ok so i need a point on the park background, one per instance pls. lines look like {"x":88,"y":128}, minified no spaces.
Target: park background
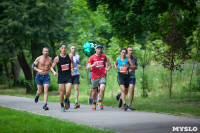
{"x":165,"y":36}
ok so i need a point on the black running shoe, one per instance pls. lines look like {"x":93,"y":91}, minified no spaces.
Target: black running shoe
{"x":125,"y":108}
{"x":118,"y":95}
{"x":36,"y":98}
{"x":45,"y":107}
{"x":120,"y":103}
{"x":129,"y":108}
{"x":67,"y":104}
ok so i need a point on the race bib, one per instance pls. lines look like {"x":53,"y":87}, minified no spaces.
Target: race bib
{"x":100,"y":64}
{"x":65,"y":67}
{"x":123,"y":69}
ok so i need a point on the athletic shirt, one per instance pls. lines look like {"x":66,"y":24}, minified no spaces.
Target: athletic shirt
{"x":98,"y":71}
{"x":134,"y":61}
{"x":121,"y":67}
{"x":76,"y":61}
{"x":64,"y":65}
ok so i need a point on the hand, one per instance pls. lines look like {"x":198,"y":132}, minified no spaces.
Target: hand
{"x":130,"y":70}
{"x":54,"y":73}
{"x":124,"y":64}
{"x":40,"y":71}
{"x":79,"y":66}
{"x":106,"y":70}
{"x":72,"y":70}
{"x":95,"y":63}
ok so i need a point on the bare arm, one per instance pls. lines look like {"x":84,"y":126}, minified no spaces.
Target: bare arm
{"x":132,"y":67}
{"x":36,"y":62}
{"x":89,"y":66}
{"x":72,"y":63}
{"x":116,"y":64}
{"x":55,"y":61}
{"x":108,"y":64}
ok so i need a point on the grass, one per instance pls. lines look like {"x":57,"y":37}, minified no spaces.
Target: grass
{"x":14,"y":121}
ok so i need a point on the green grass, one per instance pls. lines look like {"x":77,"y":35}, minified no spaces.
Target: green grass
{"x":14,"y":121}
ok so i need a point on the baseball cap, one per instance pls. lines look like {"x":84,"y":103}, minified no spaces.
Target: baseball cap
{"x":62,"y":45}
{"x":98,"y":46}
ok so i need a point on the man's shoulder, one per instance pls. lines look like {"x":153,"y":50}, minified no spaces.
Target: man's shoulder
{"x":133,"y":57}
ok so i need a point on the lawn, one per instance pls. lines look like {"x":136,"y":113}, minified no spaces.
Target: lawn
{"x":15,"y":121}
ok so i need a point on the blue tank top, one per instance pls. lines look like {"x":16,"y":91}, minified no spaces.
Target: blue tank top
{"x":121,"y":67}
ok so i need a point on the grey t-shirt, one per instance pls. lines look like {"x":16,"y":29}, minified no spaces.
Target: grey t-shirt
{"x":134,"y":60}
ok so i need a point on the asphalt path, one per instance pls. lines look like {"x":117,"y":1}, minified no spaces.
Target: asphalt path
{"x":109,"y":118}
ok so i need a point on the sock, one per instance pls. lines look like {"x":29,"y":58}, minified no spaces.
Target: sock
{"x":124,"y":105}
{"x":62,"y":105}
{"x":99,"y":100}
{"x":94,"y":102}
{"x":76,"y":103}
{"x":129,"y":105}
{"x":45,"y":104}
{"x":66,"y":99}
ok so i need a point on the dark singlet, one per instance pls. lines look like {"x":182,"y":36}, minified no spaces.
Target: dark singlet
{"x":64,"y":65}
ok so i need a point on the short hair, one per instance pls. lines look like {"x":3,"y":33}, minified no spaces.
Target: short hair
{"x":124,"y":49}
{"x":130,"y":47}
{"x":72,"y":46}
{"x":45,"y":48}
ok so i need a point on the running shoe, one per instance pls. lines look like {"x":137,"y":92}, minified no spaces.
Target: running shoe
{"x":125,"y":108}
{"x":100,"y":105}
{"x":63,"y":109}
{"x":120,"y":103}
{"x":67,"y":104}
{"x":93,"y":106}
{"x":118,"y":95}
{"x":129,"y":108}
{"x":36,"y":98}
{"x":45,"y":107}
{"x":76,"y":105}
{"x":90,"y":101}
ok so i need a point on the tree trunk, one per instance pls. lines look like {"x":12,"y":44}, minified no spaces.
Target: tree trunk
{"x":26,"y":70}
{"x":192,"y":74}
{"x":6,"y":67}
{"x":1,"y":69}
{"x":15,"y":67}
{"x":191,"y":81}
{"x":170,"y":86}
{"x":143,"y":81}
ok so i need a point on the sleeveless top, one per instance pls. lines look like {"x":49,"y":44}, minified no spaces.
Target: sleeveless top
{"x":121,"y":67}
{"x":76,"y":61}
{"x":64,"y":65}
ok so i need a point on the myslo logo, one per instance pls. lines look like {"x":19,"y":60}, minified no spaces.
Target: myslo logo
{"x":184,"y":129}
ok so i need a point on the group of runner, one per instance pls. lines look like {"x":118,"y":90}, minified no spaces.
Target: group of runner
{"x":68,"y":75}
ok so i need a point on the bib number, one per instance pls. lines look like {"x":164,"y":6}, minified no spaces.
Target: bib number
{"x":65,"y":67}
{"x":100,"y":64}
{"x":123,"y":69}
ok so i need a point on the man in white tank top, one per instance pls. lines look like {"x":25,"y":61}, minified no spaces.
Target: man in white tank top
{"x":75,"y":74}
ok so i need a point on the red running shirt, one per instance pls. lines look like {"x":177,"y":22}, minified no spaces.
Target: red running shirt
{"x":98,"y":71}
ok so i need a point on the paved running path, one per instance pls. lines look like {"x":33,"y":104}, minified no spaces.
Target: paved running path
{"x":110,"y":118}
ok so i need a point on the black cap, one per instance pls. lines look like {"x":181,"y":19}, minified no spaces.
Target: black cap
{"x":98,"y":46}
{"x":62,"y":45}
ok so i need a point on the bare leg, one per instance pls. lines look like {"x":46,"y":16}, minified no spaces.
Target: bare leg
{"x":39,"y":91}
{"x":98,"y":93}
{"x":46,"y":87}
{"x":102,"y":91}
{"x":68,"y":90}
{"x":76,"y":92}
{"x":94,"y":94}
{"x":90,"y":92}
{"x":123,"y":93}
{"x":62,"y":91}
{"x":131,"y":95}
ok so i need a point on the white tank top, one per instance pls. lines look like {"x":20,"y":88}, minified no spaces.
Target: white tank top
{"x":76,"y":61}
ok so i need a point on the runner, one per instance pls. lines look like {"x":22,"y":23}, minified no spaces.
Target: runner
{"x":42,"y":65}
{"x":132,"y":79}
{"x":123,"y":64}
{"x":97,"y":63}
{"x":75,"y":75}
{"x":65,"y":65}
{"x":132,"y":76}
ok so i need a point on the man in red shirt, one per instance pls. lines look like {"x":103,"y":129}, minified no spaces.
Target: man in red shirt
{"x":97,"y":63}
